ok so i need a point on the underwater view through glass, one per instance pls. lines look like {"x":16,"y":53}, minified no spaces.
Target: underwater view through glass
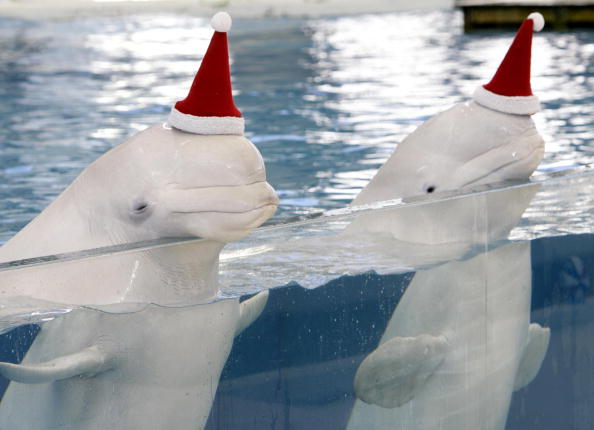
{"x":460,"y":310}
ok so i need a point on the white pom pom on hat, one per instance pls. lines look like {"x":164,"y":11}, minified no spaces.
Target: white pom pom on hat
{"x":221,"y":21}
{"x":509,"y":90}
{"x":538,"y":21}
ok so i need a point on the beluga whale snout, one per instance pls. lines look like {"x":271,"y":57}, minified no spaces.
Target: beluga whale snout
{"x":194,"y":176}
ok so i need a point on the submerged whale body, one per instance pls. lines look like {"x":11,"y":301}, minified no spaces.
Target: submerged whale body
{"x":460,"y":340}
{"x":151,"y":369}
{"x":116,"y":367}
{"x":457,"y":346}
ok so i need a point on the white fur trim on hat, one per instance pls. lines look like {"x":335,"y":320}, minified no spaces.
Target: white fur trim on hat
{"x":519,"y":105}
{"x":206,"y":124}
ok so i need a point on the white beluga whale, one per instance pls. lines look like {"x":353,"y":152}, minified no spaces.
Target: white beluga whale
{"x":147,"y":348}
{"x":460,"y":340}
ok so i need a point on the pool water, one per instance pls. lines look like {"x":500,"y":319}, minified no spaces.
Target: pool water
{"x":325,"y":100}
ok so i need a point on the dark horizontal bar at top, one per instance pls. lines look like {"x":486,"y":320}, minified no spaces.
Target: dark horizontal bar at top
{"x":530,"y":3}
{"x":510,"y":16}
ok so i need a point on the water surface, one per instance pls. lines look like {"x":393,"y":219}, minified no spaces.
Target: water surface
{"x":326,"y":100}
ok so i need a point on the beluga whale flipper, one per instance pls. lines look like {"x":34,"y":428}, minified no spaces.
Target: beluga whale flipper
{"x":460,"y":340}
{"x":156,"y":365}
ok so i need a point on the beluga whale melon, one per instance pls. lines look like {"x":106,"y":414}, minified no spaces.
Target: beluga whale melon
{"x":157,"y":367}
{"x":460,"y":340}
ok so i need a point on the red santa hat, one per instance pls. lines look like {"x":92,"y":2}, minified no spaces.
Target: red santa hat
{"x":509,"y":91}
{"x":209,"y":106}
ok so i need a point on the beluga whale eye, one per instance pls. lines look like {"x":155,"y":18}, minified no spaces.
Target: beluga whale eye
{"x":139,"y":207}
{"x":430,"y":188}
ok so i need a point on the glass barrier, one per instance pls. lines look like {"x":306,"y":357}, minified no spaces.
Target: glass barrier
{"x":459,"y":311}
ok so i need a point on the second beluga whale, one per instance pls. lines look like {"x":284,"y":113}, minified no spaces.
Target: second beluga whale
{"x":460,"y":339}
{"x":147,"y":366}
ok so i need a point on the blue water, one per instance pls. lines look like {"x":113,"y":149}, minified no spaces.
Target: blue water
{"x":325,"y":100}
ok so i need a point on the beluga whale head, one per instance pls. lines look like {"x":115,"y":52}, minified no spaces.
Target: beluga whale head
{"x":176,"y":184}
{"x":194,"y":176}
{"x":488,"y":139}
